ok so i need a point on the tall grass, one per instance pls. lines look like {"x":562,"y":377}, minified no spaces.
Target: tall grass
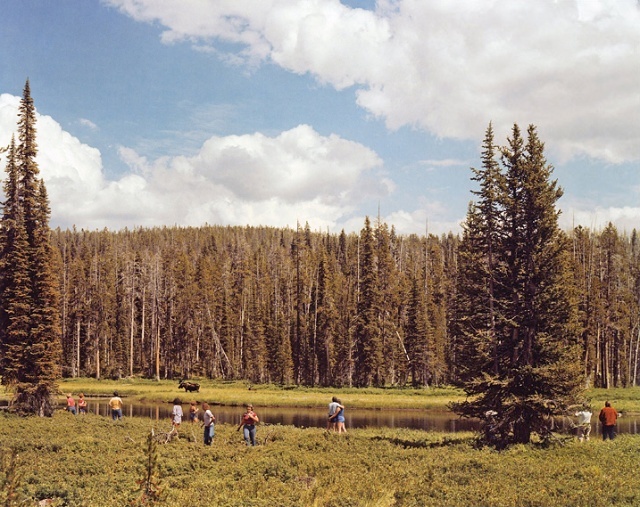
{"x":92,"y":461}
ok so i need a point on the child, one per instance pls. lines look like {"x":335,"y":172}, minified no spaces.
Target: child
{"x":176,"y":415}
{"x":193,"y":412}
{"x":71,"y":404}
{"x":82,"y":404}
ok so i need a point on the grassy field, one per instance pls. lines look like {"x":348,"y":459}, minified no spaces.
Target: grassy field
{"x":92,"y":461}
{"x":238,"y":393}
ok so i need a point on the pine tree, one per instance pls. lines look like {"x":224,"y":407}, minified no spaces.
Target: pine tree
{"x":531,"y":327}
{"x":31,"y":343}
{"x":369,"y":351}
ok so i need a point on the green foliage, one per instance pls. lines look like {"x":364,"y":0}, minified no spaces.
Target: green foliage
{"x":11,"y":478}
{"x":518,"y":354}
{"x":151,"y":491}
{"x":29,"y":312}
{"x":91,"y":461}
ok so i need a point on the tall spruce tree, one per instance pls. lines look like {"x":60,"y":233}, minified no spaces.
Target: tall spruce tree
{"x":29,"y":313}
{"x":526,"y":363}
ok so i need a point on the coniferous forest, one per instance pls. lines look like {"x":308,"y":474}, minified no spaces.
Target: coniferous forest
{"x":297,"y":306}
{"x":311,"y":308}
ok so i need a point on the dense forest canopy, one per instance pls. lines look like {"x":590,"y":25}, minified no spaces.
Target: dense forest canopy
{"x":297,"y":306}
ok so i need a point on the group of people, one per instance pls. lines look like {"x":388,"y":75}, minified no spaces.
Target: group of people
{"x":248,"y":421}
{"x":208,"y":419}
{"x":79,"y":407}
{"x":608,"y":417}
{"x":335,"y":420}
{"x":115,"y":404}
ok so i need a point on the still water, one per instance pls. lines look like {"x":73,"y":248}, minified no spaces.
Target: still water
{"x":355,"y":418}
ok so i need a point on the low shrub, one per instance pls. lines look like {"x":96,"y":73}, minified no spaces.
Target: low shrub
{"x":93,"y":461}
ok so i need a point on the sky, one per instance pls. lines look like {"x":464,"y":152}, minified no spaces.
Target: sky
{"x":286,"y":112}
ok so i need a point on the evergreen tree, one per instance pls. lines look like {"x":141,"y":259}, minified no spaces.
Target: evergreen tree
{"x":31,"y":343}
{"x":418,"y":332}
{"x":368,"y":346}
{"x":535,"y":372}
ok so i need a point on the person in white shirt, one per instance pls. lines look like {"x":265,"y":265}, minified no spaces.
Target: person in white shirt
{"x":333,"y":408}
{"x":176,"y":415}
{"x":207,"y":420}
{"x":584,"y":423}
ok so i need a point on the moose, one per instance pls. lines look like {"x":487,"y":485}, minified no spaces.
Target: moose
{"x":189,"y":386}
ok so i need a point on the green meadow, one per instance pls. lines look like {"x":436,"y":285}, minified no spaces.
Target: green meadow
{"x":92,"y":461}
{"x":237,"y":393}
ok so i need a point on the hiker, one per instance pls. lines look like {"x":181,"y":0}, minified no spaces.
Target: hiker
{"x":208,"y":420}
{"x":115,"y":404}
{"x":608,"y":417}
{"x":338,"y":418}
{"x":71,"y":404}
{"x":584,"y":423}
{"x":248,"y":423}
{"x":82,"y":404}
{"x":176,"y":415}
{"x":333,"y":408}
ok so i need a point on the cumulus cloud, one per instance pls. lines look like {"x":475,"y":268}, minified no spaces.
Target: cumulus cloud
{"x":624,"y":218}
{"x":71,"y":170}
{"x":253,"y":179}
{"x":569,"y":66}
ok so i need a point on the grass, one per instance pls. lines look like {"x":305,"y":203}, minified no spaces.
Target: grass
{"x":92,"y":461}
{"x":238,"y":393}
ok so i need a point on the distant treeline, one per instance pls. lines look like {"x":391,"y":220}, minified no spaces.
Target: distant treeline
{"x":302,"y":307}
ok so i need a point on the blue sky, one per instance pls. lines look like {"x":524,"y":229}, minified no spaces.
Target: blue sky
{"x":272,"y":112}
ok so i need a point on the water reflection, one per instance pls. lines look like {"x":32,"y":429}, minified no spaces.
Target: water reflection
{"x":304,"y":418}
{"x":355,"y":418}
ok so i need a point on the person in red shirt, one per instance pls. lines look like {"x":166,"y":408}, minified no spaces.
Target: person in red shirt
{"x":608,"y":417}
{"x":248,"y":423}
{"x":82,"y":404}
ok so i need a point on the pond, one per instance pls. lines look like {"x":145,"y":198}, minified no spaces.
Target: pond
{"x":429,"y":420}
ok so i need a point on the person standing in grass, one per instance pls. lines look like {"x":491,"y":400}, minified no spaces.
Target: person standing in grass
{"x":71,"y":404}
{"x":176,"y":416}
{"x":338,"y":418}
{"x":82,"y":404}
{"x":584,"y":423}
{"x":208,"y":420}
{"x":248,"y":425}
{"x":115,"y":404}
{"x":333,"y":408}
{"x":608,"y":417}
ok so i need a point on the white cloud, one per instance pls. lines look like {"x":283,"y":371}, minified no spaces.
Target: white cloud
{"x":87,"y":123}
{"x":625,"y":218}
{"x":297,"y":175}
{"x":570,"y":66}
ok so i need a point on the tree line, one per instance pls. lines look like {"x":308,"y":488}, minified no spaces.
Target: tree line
{"x":312,"y":308}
